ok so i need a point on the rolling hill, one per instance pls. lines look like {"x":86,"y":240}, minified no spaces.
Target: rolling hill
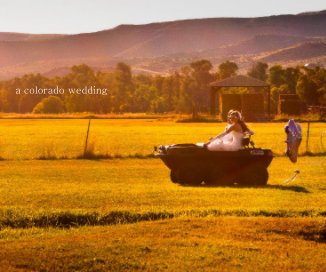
{"x":298,"y":52}
{"x":176,"y":43}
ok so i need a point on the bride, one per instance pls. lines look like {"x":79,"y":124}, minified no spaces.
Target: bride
{"x":231,"y":138}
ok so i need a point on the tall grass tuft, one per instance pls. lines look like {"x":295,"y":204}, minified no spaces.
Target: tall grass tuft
{"x":17,"y":219}
{"x":14,"y":219}
{"x":49,"y":153}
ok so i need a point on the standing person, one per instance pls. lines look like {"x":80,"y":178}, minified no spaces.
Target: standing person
{"x":231,"y":138}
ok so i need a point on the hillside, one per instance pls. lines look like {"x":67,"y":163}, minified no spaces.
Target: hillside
{"x":178,"y":42}
{"x":10,"y":36}
{"x":300,"y":51}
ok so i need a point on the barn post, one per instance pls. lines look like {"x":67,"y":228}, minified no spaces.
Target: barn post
{"x":269,"y":103}
{"x":213,"y":101}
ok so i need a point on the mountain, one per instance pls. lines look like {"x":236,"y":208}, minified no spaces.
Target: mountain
{"x":163,"y":47}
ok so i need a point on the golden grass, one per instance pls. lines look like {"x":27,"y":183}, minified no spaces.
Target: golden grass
{"x":65,"y":138}
{"x":63,"y":204}
{"x":32,"y":189}
{"x":184,"y":244}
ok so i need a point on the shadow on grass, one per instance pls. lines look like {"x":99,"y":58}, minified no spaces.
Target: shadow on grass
{"x":93,"y":156}
{"x":293,"y":188}
{"x":318,"y":236}
{"x":310,"y":233}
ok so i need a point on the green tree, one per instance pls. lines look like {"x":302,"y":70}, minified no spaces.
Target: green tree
{"x":81,"y":76}
{"x":311,"y":85}
{"x":322,"y":95}
{"x":259,"y":71}
{"x":199,"y":85}
{"x":9,"y":98}
{"x":307,"y":90}
{"x":227,"y":69}
{"x":276,"y":76}
{"x":105,"y":80}
{"x":187,"y":102}
{"x":51,"y":104}
{"x":144,"y":93}
{"x":291,"y":76}
{"x":122,"y":89}
{"x":27,"y":102}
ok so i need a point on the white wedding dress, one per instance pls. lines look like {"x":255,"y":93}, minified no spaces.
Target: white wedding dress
{"x":230,"y":142}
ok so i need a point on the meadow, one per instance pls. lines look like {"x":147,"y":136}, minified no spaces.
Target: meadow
{"x":65,"y":138}
{"x":124,"y":214}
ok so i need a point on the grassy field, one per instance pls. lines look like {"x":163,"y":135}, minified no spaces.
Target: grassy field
{"x":126,"y":215}
{"x":75,"y":215}
{"x":35,"y":138}
{"x":183,"y":244}
{"x":143,"y":185}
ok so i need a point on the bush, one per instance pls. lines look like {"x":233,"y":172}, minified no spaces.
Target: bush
{"x":51,"y":104}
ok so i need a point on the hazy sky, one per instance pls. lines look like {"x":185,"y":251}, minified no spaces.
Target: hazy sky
{"x":76,"y":16}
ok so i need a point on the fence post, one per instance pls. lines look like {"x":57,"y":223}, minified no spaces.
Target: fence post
{"x":86,"y":141}
{"x":307,"y":140}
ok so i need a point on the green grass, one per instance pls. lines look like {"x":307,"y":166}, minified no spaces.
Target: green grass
{"x":65,"y":138}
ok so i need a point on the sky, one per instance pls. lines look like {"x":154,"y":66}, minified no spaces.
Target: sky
{"x":80,"y":16}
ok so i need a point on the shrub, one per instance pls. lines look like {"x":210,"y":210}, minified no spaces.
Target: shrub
{"x":51,"y":104}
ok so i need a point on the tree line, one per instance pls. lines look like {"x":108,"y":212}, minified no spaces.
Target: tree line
{"x":184,"y":91}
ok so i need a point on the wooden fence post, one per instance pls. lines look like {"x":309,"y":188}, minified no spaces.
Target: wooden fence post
{"x":307,"y":140}
{"x":86,"y":141}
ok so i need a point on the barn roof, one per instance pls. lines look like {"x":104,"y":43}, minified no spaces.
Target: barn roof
{"x":239,"y":81}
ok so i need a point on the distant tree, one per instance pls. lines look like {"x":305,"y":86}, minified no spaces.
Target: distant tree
{"x":81,"y":76}
{"x":307,"y":90}
{"x":322,"y":95}
{"x":167,"y":94}
{"x":186,"y":91}
{"x":276,"y":91}
{"x":199,"y":82}
{"x":10,"y":100}
{"x":187,"y":101}
{"x":144,"y":93}
{"x":143,"y":97}
{"x":105,"y":80}
{"x":227,"y":69}
{"x":123,"y":88}
{"x":158,"y":83}
{"x":276,"y":76}
{"x":27,"y":102}
{"x":2,"y":99}
{"x":290,"y":77}
{"x":176,"y":79}
{"x":259,"y":71}
{"x":51,"y":104}
{"x":311,"y":86}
